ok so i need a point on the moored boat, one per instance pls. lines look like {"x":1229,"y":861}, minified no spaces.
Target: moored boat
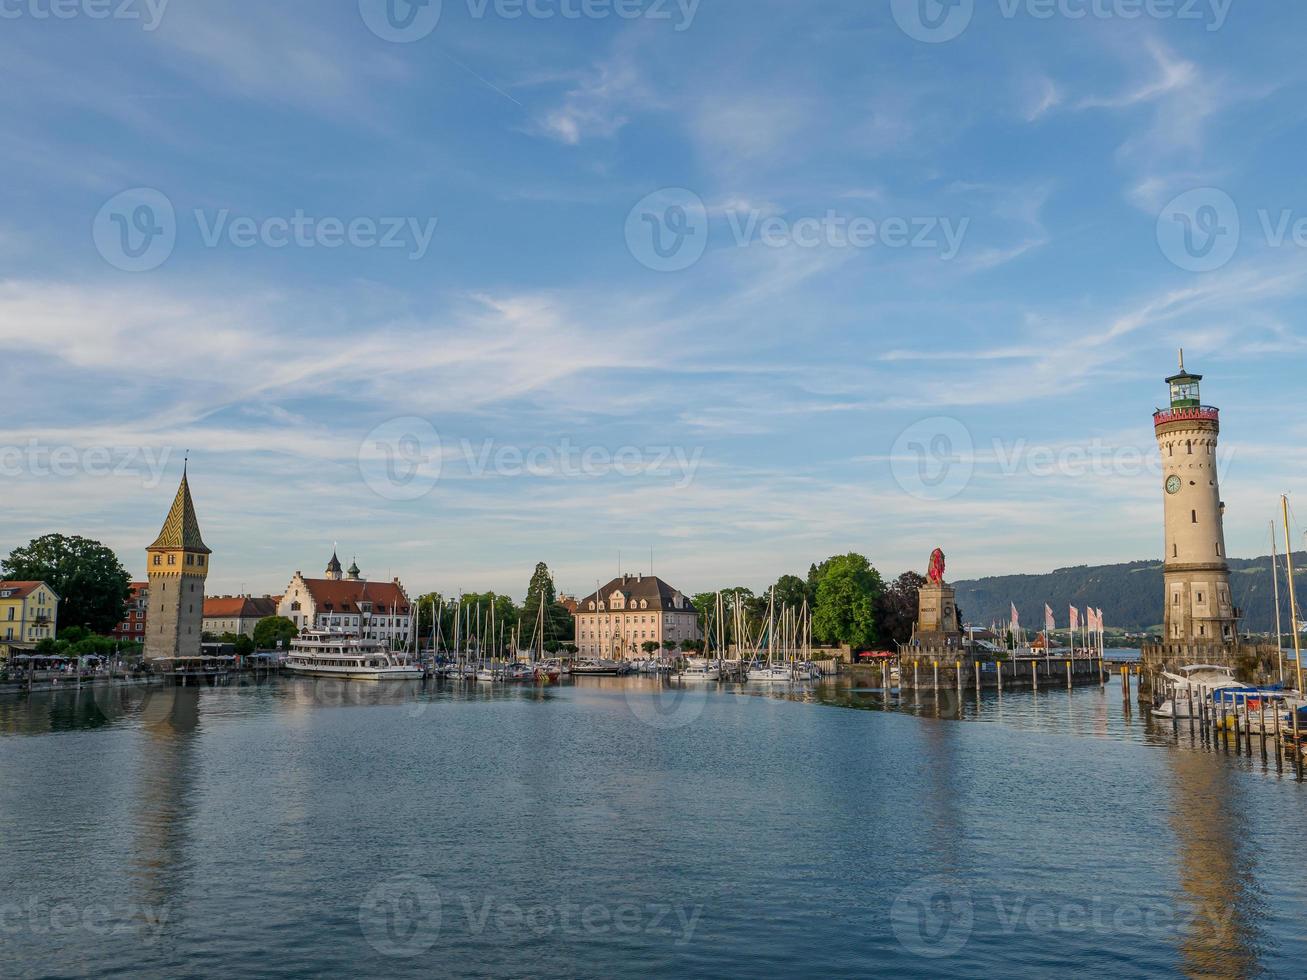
{"x":331,"y":653}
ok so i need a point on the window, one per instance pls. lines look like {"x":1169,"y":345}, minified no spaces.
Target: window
{"x":172,"y":559}
{"x":158,"y":559}
{"x":1193,"y":514}
{"x":1200,"y":597}
{"x":1175,"y":551}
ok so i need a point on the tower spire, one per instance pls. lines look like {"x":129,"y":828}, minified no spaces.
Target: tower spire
{"x":1182,"y":360}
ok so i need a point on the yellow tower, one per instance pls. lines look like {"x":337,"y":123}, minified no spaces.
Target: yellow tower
{"x":177,"y":563}
{"x":1198,"y":604}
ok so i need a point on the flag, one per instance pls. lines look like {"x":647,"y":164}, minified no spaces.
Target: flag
{"x":1016,"y":620}
{"x":1099,"y":617}
{"x":1075,"y":618}
{"x":1050,"y":622}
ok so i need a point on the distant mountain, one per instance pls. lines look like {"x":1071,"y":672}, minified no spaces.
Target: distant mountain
{"x":1130,"y":595}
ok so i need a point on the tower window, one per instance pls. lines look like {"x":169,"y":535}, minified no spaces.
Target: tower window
{"x":1200,"y":597}
{"x":172,"y":559}
{"x":1175,"y":551}
{"x":1189,"y":445}
{"x":1194,"y":515}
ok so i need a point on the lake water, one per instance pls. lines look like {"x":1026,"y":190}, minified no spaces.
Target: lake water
{"x":617,"y":827}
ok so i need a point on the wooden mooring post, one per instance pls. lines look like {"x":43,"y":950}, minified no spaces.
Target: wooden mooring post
{"x":1068,"y":675}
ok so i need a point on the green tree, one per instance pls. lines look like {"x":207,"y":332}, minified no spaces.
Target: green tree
{"x":559,"y":624}
{"x":92,"y":584}
{"x":244,"y":645}
{"x":269,"y":630}
{"x":896,"y":612}
{"x":793,"y":592}
{"x":848,"y":591}
{"x":650,"y":647}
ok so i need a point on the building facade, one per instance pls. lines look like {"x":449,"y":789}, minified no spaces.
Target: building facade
{"x":177,"y":565}
{"x":237,"y":614}
{"x":348,"y":602}
{"x":615,"y":622}
{"x":1199,"y":607}
{"x":29,"y":613}
{"x":132,"y":628}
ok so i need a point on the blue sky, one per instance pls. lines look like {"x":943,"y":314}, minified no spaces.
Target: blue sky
{"x":909,"y":289}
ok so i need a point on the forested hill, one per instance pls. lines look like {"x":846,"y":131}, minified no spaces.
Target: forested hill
{"x":1130,"y":595}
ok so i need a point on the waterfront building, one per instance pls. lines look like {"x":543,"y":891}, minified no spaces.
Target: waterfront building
{"x":177,"y":564}
{"x":347,"y":601}
{"x":29,"y":613}
{"x":135,"y":617}
{"x":237,"y":614}
{"x":617,"y":620}
{"x":1199,"y":608}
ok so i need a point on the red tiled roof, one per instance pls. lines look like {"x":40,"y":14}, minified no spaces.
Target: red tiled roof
{"x":387,"y":598}
{"x":234,"y":607}
{"x":21,"y":590}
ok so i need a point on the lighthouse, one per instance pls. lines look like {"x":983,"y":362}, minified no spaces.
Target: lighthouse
{"x":1199,"y":609}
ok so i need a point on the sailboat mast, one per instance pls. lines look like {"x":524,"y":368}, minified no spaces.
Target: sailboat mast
{"x":1293,"y":601}
{"x":771,"y":626}
{"x":1275,"y":577}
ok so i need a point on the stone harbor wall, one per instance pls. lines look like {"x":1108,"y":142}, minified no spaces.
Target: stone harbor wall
{"x":1253,"y":663}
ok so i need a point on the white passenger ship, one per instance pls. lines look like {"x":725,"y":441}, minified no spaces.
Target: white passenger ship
{"x":330,"y":653}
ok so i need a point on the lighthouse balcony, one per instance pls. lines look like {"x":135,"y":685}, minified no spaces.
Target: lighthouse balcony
{"x":1194,"y":413}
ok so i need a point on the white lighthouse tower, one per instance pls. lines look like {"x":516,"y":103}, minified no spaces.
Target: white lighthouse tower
{"x":1199,"y":609}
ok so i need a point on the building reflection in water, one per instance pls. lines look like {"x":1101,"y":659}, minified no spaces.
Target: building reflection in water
{"x":165,"y":797}
{"x":1217,"y":889}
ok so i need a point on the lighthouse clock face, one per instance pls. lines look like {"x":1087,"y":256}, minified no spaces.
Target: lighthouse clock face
{"x":1173,"y":484}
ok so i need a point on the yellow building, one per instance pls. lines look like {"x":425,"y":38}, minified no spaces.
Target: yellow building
{"x":29,"y":613}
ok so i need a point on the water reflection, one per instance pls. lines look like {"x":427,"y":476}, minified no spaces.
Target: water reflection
{"x":165,"y":797}
{"x":1215,"y":875}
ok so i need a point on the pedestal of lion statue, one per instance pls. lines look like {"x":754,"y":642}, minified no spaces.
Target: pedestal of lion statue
{"x":937,"y":615}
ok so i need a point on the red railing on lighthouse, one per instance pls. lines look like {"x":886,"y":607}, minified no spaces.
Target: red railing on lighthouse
{"x":1199,"y":413}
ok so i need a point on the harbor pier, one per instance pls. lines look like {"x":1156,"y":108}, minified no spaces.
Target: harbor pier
{"x":951,"y":668}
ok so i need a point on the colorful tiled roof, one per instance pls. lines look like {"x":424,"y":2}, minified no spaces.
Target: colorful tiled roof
{"x":182,"y":528}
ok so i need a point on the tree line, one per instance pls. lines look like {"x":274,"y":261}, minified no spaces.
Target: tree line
{"x":848,"y":602}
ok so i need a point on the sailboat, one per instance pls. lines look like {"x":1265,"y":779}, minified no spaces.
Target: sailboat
{"x":701,"y":669}
{"x":771,"y":670}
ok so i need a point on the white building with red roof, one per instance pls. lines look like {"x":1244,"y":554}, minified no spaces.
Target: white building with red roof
{"x":373,"y":610}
